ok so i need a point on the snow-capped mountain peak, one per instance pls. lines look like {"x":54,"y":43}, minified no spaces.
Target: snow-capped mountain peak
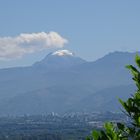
{"x":59,"y":59}
{"x":63,"y":53}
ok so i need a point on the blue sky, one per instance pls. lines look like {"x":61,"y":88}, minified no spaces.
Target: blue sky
{"x":93,"y":28}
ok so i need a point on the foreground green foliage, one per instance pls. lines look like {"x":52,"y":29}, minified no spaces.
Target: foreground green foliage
{"x":119,"y":131}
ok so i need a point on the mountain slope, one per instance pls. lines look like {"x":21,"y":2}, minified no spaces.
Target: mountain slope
{"x":62,"y":82}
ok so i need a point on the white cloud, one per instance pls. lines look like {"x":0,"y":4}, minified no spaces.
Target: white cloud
{"x":14,"y":47}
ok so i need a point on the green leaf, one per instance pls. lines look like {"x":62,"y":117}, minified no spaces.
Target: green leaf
{"x":139,"y":119}
{"x":134,"y":71}
{"x":137,"y":59}
{"x":95,"y":135}
{"x":88,"y":138}
{"x":130,"y":67}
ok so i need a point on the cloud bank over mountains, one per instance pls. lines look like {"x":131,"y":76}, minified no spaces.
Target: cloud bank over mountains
{"x":16,"y":47}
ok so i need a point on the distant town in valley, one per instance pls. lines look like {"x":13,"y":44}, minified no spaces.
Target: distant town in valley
{"x":69,"y":126}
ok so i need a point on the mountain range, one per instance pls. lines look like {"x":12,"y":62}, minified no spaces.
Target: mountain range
{"x":63,"y":82}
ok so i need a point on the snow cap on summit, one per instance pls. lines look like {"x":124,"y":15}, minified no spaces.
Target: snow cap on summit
{"x":63,"y":53}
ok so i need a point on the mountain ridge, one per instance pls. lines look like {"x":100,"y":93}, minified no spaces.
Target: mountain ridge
{"x":26,"y":89}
